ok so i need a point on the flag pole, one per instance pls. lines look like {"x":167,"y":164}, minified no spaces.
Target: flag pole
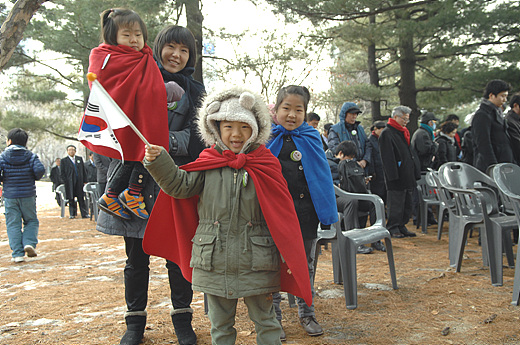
{"x":93,"y":78}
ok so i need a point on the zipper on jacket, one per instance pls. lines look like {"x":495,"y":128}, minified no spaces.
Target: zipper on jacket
{"x":235,"y":174}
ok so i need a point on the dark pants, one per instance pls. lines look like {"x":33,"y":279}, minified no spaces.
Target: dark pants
{"x":399,"y":209}
{"x":355,"y":213}
{"x":137,"y":275}
{"x":73,"y":207}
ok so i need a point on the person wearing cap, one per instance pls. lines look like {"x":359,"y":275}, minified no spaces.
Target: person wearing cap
{"x":349,"y":129}
{"x":423,"y":140}
{"x":490,"y":138}
{"x":375,"y":169}
{"x":425,"y":148}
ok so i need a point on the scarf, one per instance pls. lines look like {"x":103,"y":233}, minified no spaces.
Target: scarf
{"x":401,"y":129}
{"x":173,"y":222}
{"x":315,"y":166}
{"x":374,"y":134}
{"x":428,"y":129}
{"x":188,"y":105}
{"x":134,"y":82}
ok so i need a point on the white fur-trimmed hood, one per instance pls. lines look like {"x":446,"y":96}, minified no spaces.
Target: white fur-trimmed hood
{"x":245,"y":105}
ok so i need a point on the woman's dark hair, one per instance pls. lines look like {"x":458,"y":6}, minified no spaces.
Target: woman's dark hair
{"x":293,"y":90}
{"x":448,"y":127}
{"x":177,"y":34}
{"x":115,"y":18}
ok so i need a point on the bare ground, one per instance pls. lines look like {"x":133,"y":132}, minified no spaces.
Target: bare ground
{"x":72,"y":293}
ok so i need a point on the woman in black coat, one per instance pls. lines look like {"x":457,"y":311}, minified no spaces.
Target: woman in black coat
{"x":447,"y":151}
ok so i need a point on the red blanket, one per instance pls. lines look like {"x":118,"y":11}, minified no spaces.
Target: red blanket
{"x":135,"y":83}
{"x":173,"y":222}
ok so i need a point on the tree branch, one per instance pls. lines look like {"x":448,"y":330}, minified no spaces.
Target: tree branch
{"x":11,"y":32}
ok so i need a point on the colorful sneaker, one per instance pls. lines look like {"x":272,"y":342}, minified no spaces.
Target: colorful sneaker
{"x":113,"y":207}
{"x":135,"y":204}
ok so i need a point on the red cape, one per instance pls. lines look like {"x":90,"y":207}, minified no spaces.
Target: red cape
{"x":134,"y":81}
{"x":162,"y":239}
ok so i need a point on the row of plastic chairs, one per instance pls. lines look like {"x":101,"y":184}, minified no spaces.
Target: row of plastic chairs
{"x":92,"y":192}
{"x":476,"y":200}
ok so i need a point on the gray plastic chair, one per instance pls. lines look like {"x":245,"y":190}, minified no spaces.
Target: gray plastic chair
{"x":64,"y":201}
{"x":475,"y":195}
{"x":506,"y":176}
{"x":447,"y":203}
{"x":92,"y":193}
{"x":349,"y":240}
{"x":427,"y":197}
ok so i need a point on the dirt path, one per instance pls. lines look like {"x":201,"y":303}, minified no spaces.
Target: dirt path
{"x":72,"y":293}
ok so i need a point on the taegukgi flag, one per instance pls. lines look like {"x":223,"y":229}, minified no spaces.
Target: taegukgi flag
{"x":103,"y":116}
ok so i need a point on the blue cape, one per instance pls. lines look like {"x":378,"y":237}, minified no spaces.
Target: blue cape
{"x":315,"y":166}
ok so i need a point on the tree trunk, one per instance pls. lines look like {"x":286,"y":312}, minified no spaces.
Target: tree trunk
{"x":194,"y":23}
{"x":374,"y":75}
{"x":407,"y":89}
{"x":11,"y":32}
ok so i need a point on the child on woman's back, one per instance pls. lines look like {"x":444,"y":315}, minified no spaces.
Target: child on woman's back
{"x":124,"y":65}
{"x":304,"y":165}
{"x":243,"y":223}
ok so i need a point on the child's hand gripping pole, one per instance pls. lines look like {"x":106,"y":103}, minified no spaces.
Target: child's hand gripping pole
{"x":92,"y":77}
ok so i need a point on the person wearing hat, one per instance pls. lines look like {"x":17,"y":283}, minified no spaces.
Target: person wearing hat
{"x":423,"y":140}
{"x":349,"y":129}
{"x":425,"y":148}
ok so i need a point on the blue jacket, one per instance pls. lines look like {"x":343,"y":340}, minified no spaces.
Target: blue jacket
{"x":339,"y":133}
{"x":20,"y":168}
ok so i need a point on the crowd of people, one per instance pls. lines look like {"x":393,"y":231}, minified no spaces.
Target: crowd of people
{"x":241,"y":203}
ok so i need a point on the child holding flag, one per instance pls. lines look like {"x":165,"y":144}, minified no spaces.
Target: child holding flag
{"x":231,"y":218}
{"x":125,"y":67}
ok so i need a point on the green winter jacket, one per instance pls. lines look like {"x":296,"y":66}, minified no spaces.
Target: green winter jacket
{"x":233,"y":252}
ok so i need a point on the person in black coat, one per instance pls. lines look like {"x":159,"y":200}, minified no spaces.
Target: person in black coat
{"x":401,"y":169}
{"x":491,"y":143}
{"x":513,"y":125}
{"x":55,"y":177}
{"x":447,"y":151}
{"x":73,"y":175}
{"x":375,"y":168}
{"x":102,"y":163}
{"x":91,"y":168}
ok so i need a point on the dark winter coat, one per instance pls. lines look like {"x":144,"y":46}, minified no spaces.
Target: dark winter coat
{"x":400,"y":165}
{"x":425,"y":147}
{"x":375,"y":168}
{"x":467,"y":147}
{"x":55,"y":177}
{"x":333,"y":165}
{"x":19,"y":169}
{"x":102,"y":164}
{"x":490,"y":139}
{"x":513,"y":129}
{"x":91,"y":171}
{"x":73,"y":177}
{"x":447,"y":151}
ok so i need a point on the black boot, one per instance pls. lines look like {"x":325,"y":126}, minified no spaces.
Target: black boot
{"x":181,"y":319}
{"x":135,"y":325}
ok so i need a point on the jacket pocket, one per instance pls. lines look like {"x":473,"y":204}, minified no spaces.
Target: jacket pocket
{"x":265,"y":254}
{"x":202,"y":252}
